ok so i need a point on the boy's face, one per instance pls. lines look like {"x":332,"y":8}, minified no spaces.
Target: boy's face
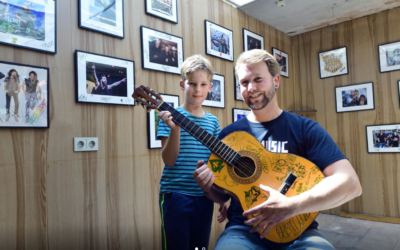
{"x":196,"y":86}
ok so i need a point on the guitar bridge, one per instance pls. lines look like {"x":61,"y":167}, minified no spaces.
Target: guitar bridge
{"x":287,"y":183}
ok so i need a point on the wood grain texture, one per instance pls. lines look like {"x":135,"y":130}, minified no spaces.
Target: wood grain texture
{"x":378,"y":173}
{"x":54,"y":198}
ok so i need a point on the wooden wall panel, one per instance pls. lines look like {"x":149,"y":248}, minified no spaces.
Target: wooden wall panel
{"x":54,"y":198}
{"x":378,"y":173}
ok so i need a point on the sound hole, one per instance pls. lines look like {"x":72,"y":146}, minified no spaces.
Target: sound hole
{"x":245,"y":167}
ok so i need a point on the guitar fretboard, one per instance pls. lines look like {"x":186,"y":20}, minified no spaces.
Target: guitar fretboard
{"x":214,"y":144}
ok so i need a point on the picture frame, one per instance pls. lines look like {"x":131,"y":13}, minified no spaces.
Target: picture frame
{"x":28,"y":105}
{"x":238,"y":93}
{"x":389,"y":57}
{"x":283,"y":60}
{"x":163,"y":10}
{"x":104,"y":16}
{"x":116,"y":73}
{"x":216,"y":97}
{"x":355,"y":97}
{"x":333,"y":63}
{"x":216,"y":36}
{"x":39,"y":32}
{"x":155,"y":57}
{"x":252,"y":40}
{"x":153,"y":120}
{"x":389,"y":135}
{"x":239,"y":113}
{"x":398,"y":87}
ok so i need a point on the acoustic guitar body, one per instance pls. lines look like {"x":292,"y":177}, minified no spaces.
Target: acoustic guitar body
{"x":270,"y":169}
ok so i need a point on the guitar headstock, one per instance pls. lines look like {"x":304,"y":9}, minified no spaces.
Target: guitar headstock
{"x":147,"y":97}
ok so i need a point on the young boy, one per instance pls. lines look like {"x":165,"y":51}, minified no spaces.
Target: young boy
{"x":186,"y":212}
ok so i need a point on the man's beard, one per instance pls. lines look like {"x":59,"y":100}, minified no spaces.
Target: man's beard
{"x":267,"y":97}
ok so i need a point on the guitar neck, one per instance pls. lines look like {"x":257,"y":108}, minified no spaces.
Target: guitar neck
{"x":211,"y":142}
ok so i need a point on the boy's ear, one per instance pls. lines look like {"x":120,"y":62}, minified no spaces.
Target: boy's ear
{"x":209,"y":87}
{"x":182,"y":84}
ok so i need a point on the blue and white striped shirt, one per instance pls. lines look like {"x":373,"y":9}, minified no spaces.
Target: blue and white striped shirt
{"x":179,"y":178}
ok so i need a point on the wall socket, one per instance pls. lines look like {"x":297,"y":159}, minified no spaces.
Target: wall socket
{"x":86,"y":143}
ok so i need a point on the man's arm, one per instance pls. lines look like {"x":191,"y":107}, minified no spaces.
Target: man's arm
{"x":23,"y":87}
{"x":340,"y":185}
{"x":115,"y":84}
{"x":96,"y":81}
{"x":170,"y":145}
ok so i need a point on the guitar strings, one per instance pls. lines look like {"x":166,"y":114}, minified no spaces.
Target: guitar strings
{"x":241,"y":161}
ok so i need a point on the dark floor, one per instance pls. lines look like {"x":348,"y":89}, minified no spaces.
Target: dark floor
{"x":349,"y":233}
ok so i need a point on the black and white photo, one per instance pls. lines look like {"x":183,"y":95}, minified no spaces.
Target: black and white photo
{"x":252,"y":40}
{"x":238,"y":93}
{"x":165,"y":9}
{"x":103,"y":79}
{"x":389,"y":57}
{"x":283,"y":61}
{"x":383,"y":138}
{"x":105,"y":16}
{"x":355,"y":97}
{"x":239,"y":113}
{"x":24,"y":96}
{"x":153,"y":121}
{"x":219,"y":41}
{"x":216,"y":96}
{"x":161,"y":51}
{"x":29,"y":24}
{"x":333,"y":63}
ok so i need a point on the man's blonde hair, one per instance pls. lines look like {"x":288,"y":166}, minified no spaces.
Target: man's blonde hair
{"x":196,"y":63}
{"x":256,"y":56}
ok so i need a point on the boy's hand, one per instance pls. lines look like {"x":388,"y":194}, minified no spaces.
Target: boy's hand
{"x":203,"y":176}
{"x":166,"y":117}
{"x":223,"y":208}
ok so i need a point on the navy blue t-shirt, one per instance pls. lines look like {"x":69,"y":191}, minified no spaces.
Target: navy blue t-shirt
{"x":288,"y":133}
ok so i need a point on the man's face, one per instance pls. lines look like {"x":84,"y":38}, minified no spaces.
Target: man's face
{"x":174,"y":52}
{"x":381,"y":132}
{"x":157,"y":43}
{"x":222,"y":40}
{"x":104,"y":79}
{"x":14,"y":73}
{"x":257,"y":85}
{"x":166,"y":49}
{"x":354,"y":94}
{"x":394,"y":133}
{"x":31,"y":76}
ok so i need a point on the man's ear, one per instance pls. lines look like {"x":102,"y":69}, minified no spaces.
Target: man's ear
{"x":276,"y":78}
{"x":182,"y":84}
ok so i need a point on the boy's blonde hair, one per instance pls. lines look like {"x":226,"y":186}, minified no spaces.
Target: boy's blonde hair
{"x":256,"y":56}
{"x":196,"y":63}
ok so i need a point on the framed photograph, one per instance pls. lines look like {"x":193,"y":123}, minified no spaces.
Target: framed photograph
{"x":104,"y":16}
{"x":161,"y":51}
{"x":252,"y":40}
{"x":153,"y":120}
{"x":238,"y":94}
{"x":398,"y":85}
{"x":389,"y":57}
{"x":24,"y":96}
{"x":29,"y":24}
{"x":355,"y":97}
{"x":333,"y":63}
{"x":103,"y":79}
{"x":239,"y":113}
{"x":167,"y":10}
{"x":216,"y":97}
{"x":283,"y":61}
{"x":219,"y":41}
{"x":383,"y":138}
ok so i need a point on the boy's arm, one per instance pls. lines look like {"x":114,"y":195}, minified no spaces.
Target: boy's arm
{"x":170,"y":145}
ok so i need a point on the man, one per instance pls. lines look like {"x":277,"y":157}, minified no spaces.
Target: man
{"x":222,"y":46}
{"x":389,"y":140}
{"x":101,"y":87}
{"x":29,"y":87}
{"x":381,"y":140}
{"x":27,"y":19}
{"x":258,"y":73}
{"x":395,"y":139}
{"x":174,"y":58}
{"x":354,"y":98}
{"x":155,"y":51}
{"x":12,"y":88}
{"x":165,"y":57}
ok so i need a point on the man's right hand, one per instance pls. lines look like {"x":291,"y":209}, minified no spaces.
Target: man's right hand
{"x":93,"y":67}
{"x":204,"y":177}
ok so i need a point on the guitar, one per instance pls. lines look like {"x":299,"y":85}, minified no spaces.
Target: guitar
{"x":240,"y":164}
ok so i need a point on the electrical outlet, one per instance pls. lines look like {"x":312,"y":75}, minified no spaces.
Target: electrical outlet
{"x":86,"y":143}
